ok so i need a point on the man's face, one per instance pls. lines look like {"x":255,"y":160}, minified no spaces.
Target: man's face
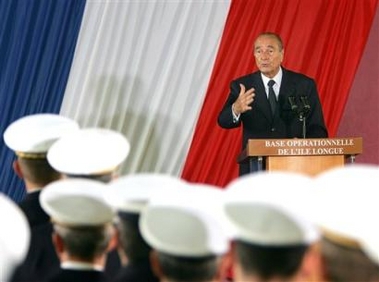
{"x":268,"y":55}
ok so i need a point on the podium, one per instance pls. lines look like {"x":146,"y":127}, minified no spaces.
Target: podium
{"x":309,"y":155}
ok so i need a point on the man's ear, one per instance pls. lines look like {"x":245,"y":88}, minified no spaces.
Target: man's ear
{"x":17,"y":169}
{"x":236,"y":271}
{"x":113,"y":242}
{"x":155,"y":265}
{"x":225,"y":272}
{"x":312,"y":267}
{"x":58,"y":244}
{"x":120,"y":249}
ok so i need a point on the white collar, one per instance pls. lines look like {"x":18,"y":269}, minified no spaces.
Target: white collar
{"x":33,"y":190}
{"x":277,"y":78}
{"x":80,"y":265}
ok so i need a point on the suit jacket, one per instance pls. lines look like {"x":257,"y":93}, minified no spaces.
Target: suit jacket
{"x":138,"y":271}
{"x":41,"y":260}
{"x":75,"y":275}
{"x":259,"y":123}
{"x":113,"y":264}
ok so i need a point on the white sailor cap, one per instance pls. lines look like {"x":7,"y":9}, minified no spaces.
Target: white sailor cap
{"x":14,"y":237}
{"x":131,"y":193}
{"x":347,"y":201}
{"x":267,"y":208}
{"x":31,"y":136}
{"x":76,"y":202}
{"x":90,"y":151}
{"x":184,"y":224}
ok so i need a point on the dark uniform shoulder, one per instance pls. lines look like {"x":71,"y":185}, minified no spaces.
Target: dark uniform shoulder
{"x":296,"y":75}
{"x":244,"y":78}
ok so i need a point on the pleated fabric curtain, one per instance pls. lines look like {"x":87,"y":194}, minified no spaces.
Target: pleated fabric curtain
{"x":159,"y":71}
{"x":142,"y":68}
{"x":37,"y":43}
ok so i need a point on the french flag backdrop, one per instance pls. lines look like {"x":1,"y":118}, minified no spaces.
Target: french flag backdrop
{"x":159,"y":71}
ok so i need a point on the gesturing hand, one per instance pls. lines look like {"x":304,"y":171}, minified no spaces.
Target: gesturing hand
{"x":244,"y":100}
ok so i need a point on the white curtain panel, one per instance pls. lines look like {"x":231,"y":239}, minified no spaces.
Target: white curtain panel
{"x":142,"y":68}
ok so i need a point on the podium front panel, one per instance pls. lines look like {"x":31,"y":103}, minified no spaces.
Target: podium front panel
{"x":311,"y":165}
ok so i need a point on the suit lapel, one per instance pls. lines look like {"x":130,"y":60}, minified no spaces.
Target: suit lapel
{"x":287,"y":87}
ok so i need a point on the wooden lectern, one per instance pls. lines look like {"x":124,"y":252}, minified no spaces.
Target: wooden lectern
{"x":309,"y":156}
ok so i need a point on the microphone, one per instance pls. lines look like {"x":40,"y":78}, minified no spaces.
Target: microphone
{"x":291,"y":100}
{"x":304,"y":100}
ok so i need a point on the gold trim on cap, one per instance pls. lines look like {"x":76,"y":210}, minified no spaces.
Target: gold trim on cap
{"x":105,"y":171}
{"x":31,"y":155}
{"x":81,"y":225}
{"x":340,"y":239}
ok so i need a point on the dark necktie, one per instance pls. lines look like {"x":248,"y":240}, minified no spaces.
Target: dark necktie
{"x":271,"y":96}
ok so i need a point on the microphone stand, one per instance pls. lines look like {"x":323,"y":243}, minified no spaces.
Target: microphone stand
{"x":301,"y":112}
{"x":303,"y":115}
{"x":303,"y":119}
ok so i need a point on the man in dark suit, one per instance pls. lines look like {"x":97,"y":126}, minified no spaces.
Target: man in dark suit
{"x":294,"y":100}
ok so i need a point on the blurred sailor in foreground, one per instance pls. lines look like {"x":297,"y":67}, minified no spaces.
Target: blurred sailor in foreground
{"x":92,"y":153}
{"x":14,"y":237}
{"x":95,"y":153}
{"x":129,"y":195}
{"x":273,"y":241}
{"x":346,"y":211}
{"x":83,"y":230}
{"x":188,"y":235}
{"x":30,"y":137}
